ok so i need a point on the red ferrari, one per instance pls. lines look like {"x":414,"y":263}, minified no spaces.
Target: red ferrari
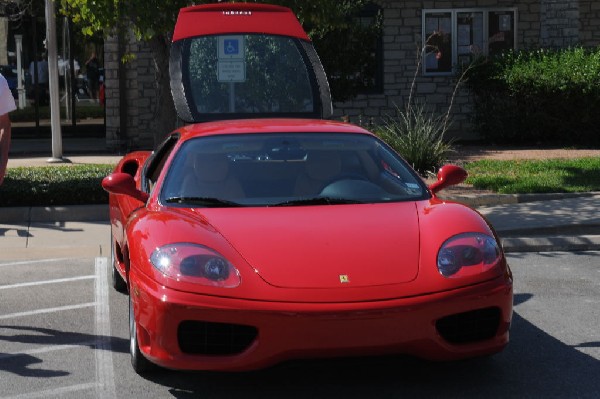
{"x":263,"y":232}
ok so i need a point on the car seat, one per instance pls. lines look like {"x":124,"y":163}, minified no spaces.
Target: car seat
{"x":212,"y":178}
{"x":320,"y":168}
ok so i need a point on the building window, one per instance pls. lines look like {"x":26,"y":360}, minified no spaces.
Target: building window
{"x":371,"y":69}
{"x":353,"y":55}
{"x":455,"y":37}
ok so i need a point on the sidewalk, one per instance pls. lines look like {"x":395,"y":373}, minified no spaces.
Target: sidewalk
{"x":567,"y":224}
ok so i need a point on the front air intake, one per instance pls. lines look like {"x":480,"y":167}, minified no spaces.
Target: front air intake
{"x":205,"y":338}
{"x":468,"y":327}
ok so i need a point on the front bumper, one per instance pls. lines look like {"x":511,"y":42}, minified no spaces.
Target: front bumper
{"x":273,"y":332}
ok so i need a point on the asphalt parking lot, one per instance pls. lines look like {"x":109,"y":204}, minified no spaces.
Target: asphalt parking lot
{"x":54,"y":310}
{"x":55,"y":335}
{"x":63,"y":334}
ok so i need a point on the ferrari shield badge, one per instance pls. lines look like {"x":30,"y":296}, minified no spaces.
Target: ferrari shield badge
{"x":344,"y":279}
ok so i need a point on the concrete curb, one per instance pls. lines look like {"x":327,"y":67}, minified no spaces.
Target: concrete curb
{"x":551,"y":244}
{"x":476,"y":200}
{"x":54,"y":214}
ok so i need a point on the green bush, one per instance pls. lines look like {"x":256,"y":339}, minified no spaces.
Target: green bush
{"x":418,"y":136}
{"x":549,"y":96}
{"x":54,"y":185}
{"x":81,"y":112}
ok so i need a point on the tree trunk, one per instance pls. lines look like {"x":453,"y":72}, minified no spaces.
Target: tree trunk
{"x":166,"y":119}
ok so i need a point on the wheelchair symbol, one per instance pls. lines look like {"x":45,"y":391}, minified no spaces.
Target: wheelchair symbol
{"x":232,"y":47}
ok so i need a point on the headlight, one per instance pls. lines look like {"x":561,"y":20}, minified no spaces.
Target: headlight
{"x":195,"y":263}
{"x":468,"y":254}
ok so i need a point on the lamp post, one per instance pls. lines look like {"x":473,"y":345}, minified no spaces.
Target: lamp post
{"x":57,"y":155}
{"x":20,"y":88}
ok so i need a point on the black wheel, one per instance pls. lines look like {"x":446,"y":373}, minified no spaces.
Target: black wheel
{"x":117,"y":281}
{"x":140,"y":364}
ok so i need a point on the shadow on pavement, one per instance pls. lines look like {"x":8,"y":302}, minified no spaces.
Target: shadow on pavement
{"x":22,"y":363}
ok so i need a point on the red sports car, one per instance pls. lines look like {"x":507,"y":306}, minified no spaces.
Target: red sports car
{"x":250,"y":241}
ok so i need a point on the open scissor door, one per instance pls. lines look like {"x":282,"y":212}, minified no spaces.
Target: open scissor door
{"x":245,"y":60}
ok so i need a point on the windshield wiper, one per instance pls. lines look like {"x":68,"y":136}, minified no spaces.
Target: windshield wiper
{"x":203,"y":201}
{"x":319,"y":201}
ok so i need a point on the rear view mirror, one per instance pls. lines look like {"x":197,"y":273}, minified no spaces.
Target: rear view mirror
{"x":123,"y":183}
{"x":448,"y":175}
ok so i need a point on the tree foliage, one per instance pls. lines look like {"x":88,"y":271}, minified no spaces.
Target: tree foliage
{"x":154,"y":20}
{"x":151,"y":18}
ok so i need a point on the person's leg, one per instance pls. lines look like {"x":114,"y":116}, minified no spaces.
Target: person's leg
{"x":5,"y":131}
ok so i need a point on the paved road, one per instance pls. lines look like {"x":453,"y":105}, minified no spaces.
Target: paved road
{"x":63,"y":334}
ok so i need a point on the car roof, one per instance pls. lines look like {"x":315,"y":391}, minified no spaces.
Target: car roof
{"x":257,"y":126}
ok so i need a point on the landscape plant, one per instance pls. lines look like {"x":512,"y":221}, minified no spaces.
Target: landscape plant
{"x":418,"y":133}
{"x":54,"y":185}
{"x":538,"y":96}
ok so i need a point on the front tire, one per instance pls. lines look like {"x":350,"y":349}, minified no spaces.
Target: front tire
{"x":117,"y":281}
{"x":140,"y":364}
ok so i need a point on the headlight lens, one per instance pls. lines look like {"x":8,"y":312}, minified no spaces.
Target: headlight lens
{"x":468,"y":254}
{"x":195,"y":263}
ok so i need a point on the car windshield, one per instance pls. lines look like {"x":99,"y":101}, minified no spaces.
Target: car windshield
{"x":288,"y":169}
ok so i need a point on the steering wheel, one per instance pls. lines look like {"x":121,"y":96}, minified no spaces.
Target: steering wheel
{"x":343,"y":184}
{"x":347,"y":176}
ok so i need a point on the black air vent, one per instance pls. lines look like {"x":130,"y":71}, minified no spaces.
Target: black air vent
{"x":204,"y":338}
{"x":473,"y":326}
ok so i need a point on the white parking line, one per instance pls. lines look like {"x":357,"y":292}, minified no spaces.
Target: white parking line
{"x":50,"y":310}
{"x":105,"y":377}
{"x":31,"y":262}
{"x":52,"y":392}
{"x":57,"y":281}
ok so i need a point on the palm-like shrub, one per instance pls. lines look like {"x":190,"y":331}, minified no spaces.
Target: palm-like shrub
{"x":418,"y":135}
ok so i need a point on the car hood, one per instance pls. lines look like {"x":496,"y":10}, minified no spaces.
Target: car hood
{"x":325,"y":246}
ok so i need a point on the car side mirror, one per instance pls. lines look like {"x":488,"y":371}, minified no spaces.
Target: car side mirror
{"x":123,"y":183}
{"x":448,"y":175}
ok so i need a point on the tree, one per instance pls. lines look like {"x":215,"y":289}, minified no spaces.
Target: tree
{"x":153,"y":21}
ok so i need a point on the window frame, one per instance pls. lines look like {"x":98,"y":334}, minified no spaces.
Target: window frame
{"x":371,"y":11}
{"x":454,"y":12}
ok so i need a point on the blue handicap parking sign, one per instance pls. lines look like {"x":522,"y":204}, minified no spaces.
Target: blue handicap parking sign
{"x":231,"y":46}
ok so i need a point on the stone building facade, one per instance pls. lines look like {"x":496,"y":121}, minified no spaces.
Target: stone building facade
{"x":130,"y":94}
{"x":537,"y":23}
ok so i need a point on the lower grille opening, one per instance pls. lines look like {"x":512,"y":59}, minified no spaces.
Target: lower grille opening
{"x":473,"y":326}
{"x":205,"y":338}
